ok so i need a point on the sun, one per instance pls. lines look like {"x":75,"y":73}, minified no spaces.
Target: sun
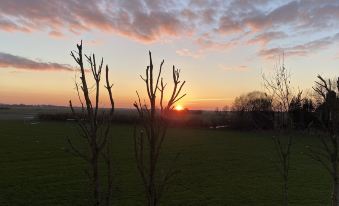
{"x":179,"y":108}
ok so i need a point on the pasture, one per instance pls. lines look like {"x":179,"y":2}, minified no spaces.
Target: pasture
{"x":217,"y":167}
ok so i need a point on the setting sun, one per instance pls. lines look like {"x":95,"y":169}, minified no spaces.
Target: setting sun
{"x":179,"y":108}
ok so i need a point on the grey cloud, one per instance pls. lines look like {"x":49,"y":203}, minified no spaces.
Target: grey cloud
{"x":301,"y":49}
{"x":18,"y":62}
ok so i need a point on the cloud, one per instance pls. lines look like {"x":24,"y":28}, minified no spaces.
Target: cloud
{"x":287,"y":13}
{"x":336,"y":56}
{"x":241,"y":68}
{"x":147,"y":21}
{"x":301,"y":49}
{"x":56,"y":34}
{"x":188,"y":53}
{"x":17,"y":62}
{"x":206,"y":42}
{"x":266,"y":37}
{"x":95,"y":42}
{"x":133,"y":19}
{"x":210,"y":99}
{"x":228,"y":25}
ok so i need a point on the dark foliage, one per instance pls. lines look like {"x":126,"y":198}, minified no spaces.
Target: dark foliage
{"x":252,"y":111}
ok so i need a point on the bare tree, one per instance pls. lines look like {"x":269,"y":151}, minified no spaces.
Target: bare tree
{"x":278,"y":87}
{"x":94,"y":127}
{"x":148,"y":139}
{"x":328,"y":154}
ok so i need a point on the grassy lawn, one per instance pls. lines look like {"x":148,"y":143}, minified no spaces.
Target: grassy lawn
{"x":216,"y":168}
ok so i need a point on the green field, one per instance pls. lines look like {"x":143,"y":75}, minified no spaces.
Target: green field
{"x":217,"y":167}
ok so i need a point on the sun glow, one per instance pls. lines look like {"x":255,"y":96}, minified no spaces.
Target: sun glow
{"x":179,"y":108}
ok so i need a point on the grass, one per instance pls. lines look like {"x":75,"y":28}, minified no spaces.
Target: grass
{"x":217,"y":167}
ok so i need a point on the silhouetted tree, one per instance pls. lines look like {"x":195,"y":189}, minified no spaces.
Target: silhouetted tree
{"x":94,"y":130}
{"x":253,"y":101}
{"x":295,"y":110}
{"x":301,"y":112}
{"x":253,"y":111}
{"x":149,"y":138}
{"x":328,"y":119}
{"x":308,"y":105}
{"x":278,"y":87}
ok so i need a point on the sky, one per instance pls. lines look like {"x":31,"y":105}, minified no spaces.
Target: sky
{"x":221,"y":47}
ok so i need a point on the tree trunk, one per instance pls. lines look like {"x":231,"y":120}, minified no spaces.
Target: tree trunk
{"x":335,"y":191}
{"x":285,"y":191}
{"x":95,"y":179}
{"x":285,"y":179}
{"x":152,"y":199}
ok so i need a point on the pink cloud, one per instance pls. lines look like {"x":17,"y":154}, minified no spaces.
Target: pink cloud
{"x":56,"y":34}
{"x":10,"y":26}
{"x":265,"y":38}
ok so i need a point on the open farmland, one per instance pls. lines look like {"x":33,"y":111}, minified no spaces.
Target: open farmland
{"x":36,"y":168}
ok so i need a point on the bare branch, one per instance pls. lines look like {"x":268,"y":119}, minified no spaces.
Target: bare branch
{"x":154,"y":128}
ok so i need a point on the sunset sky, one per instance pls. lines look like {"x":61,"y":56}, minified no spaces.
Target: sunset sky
{"x":221,"y":47}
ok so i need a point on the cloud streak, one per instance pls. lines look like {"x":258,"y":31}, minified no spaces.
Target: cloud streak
{"x":188,"y":53}
{"x":301,"y":49}
{"x":241,"y":68}
{"x":267,"y":37}
{"x":210,"y":99}
{"x":22,"y":63}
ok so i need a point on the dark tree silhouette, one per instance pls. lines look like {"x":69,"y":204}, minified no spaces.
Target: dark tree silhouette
{"x":253,"y":101}
{"x":94,"y":130}
{"x":301,"y":111}
{"x":148,"y":139}
{"x":253,"y":111}
{"x":328,"y":119}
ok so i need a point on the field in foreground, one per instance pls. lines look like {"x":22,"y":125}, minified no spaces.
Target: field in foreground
{"x":217,"y":167}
